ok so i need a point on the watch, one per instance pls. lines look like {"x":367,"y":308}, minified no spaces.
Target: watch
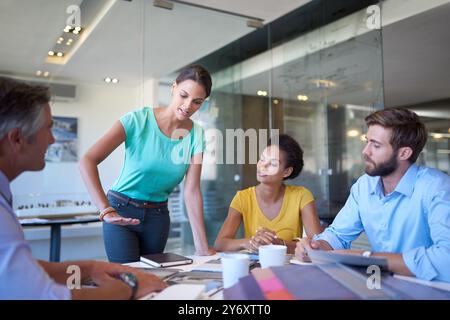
{"x":367,"y":254}
{"x":131,"y":280}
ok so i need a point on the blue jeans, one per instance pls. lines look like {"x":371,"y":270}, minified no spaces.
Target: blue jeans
{"x":127,"y":243}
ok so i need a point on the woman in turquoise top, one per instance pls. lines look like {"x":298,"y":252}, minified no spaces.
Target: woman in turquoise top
{"x":162,"y":146}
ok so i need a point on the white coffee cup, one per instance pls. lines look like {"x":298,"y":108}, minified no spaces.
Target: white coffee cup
{"x":272,"y":255}
{"x":234,"y":267}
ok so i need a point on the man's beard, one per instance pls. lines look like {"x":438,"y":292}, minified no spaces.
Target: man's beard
{"x":382,"y":169}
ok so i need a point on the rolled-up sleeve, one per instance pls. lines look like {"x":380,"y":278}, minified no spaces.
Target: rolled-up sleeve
{"x":433,"y":263}
{"x":347,"y":225}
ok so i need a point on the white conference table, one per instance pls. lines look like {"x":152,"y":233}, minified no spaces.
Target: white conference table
{"x":197,"y":260}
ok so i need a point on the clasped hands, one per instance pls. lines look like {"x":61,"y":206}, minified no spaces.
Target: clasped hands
{"x":263,"y":236}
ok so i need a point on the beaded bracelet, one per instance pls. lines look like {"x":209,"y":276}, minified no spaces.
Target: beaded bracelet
{"x":105,"y":211}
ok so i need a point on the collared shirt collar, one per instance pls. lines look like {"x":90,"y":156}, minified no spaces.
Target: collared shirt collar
{"x":408,"y":181}
{"x":405,"y":185}
{"x":4,"y":188}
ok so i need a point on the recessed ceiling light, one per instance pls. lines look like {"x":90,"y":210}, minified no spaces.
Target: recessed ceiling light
{"x":322,"y":83}
{"x":302,"y":97}
{"x":276,"y":101}
{"x":46,"y":74}
{"x":353,"y":133}
{"x":78,"y":29}
{"x":75,"y":32}
{"x":38,"y":73}
{"x":115,"y":80}
{"x":60,"y":54}
{"x":107,"y":80}
{"x":437,"y":135}
{"x":262,"y":93}
{"x":51,"y":53}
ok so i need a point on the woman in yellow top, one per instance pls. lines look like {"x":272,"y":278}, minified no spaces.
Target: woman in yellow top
{"x":272,"y":212}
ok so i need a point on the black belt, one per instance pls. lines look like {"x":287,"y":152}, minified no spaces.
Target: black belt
{"x":137,"y":203}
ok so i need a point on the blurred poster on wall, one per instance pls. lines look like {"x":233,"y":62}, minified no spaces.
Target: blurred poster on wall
{"x":65,"y":148}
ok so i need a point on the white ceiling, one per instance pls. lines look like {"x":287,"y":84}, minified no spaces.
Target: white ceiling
{"x":268,"y":10}
{"x":136,"y":39}
{"x":132,"y":40}
{"x":416,"y":54}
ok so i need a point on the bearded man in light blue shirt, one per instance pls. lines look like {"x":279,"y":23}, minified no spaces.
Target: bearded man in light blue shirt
{"x":403,"y":208}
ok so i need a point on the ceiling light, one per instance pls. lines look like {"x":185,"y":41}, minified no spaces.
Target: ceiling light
{"x":163,"y":4}
{"x":75,"y":32}
{"x":254,"y":23}
{"x":107,"y":80}
{"x":60,"y":54}
{"x":437,"y":135}
{"x":38,"y":73}
{"x":353,"y":133}
{"x":46,"y":74}
{"x":51,"y":53}
{"x":261,"y":93}
{"x":78,"y":29}
{"x":115,"y":80}
{"x":276,"y":101}
{"x":302,"y":97}
{"x":363,"y":138}
{"x":321,"y":83}
{"x":68,"y":43}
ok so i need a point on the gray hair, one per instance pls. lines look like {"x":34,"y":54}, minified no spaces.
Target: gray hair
{"x":21,"y":106}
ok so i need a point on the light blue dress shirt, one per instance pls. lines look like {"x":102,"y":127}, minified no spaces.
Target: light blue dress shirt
{"x":21,"y":276}
{"x":413,"y":220}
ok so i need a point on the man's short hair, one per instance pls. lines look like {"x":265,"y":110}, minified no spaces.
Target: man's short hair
{"x":407,"y":129}
{"x":21,"y":106}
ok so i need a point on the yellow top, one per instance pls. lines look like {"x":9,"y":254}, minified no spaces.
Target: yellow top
{"x":287,"y":224}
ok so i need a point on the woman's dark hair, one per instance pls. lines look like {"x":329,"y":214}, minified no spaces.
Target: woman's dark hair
{"x":198,"y":74}
{"x":293,"y":151}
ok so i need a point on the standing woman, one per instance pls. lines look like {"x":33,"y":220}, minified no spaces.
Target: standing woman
{"x":162,"y":146}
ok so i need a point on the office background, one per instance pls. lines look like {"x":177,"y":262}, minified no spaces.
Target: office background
{"x":312,"y":69}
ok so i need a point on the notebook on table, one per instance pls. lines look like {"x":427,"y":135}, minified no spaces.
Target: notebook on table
{"x":165,"y":259}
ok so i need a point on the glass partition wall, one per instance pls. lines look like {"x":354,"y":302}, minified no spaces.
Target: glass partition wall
{"x":316,"y":86}
{"x":176,"y":38}
{"x":315,"y":73}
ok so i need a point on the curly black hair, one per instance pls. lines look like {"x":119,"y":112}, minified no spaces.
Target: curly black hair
{"x":293,"y":151}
